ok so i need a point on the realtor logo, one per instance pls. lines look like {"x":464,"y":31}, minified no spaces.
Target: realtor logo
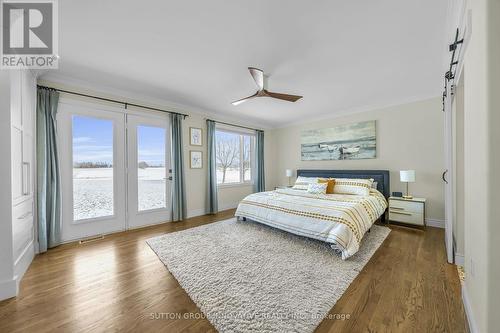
{"x":29,"y":38}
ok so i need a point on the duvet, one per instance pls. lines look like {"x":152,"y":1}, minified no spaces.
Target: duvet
{"x":338,"y":219}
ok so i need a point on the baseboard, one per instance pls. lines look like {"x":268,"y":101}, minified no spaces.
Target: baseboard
{"x":8,"y":289}
{"x":459,"y":259}
{"x":468,"y":311}
{"x":435,"y":223}
{"x":23,"y":263}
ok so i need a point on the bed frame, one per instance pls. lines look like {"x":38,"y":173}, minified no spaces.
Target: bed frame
{"x":380,"y":176}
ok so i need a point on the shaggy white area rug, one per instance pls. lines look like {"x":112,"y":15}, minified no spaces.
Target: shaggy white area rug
{"x":248,"y":277}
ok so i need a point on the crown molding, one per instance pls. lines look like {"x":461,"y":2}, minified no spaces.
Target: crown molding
{"x":54,"y":80}
{"x":59,"y":81}
{"x":357,"y":110}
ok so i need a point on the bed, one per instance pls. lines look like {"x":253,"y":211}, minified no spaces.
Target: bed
{"x":338,"y":219}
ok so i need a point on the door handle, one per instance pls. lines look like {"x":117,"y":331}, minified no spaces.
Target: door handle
{"x":402,"y":213}
{"x":170,"y":178}
{"x":444,"y":176}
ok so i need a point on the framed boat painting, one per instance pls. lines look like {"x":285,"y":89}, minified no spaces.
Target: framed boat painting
{"x":344,"y":142}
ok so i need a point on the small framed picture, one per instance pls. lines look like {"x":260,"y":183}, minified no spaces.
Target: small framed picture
{"x":195,"y":136}
{"x":196,"y":161}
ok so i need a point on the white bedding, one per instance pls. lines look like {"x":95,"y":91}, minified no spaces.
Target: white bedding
{"x":338,"y":219}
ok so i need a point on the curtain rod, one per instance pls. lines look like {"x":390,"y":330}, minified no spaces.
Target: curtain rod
{"x":221,"y":122}
{"x":126,"y":104}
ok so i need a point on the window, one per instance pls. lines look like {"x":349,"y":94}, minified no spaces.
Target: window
{"x":92,"y":168}
{"x":234,"y":157}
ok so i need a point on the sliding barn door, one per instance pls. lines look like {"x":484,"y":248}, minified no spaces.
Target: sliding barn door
{"x":448,"y":178}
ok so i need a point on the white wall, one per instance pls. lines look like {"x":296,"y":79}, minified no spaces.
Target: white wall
{"x":196,"y":179}
{"x":494,"y":165}
{"x":409,"y":136}
{"x":481,"y":155}
{"x":476,"y":167}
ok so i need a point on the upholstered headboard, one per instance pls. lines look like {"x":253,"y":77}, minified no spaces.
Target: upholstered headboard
{"x":380,"y":176}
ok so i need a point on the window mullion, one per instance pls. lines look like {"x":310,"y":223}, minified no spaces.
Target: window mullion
{"x":242,"y":177}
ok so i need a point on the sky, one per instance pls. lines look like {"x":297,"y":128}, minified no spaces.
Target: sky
{"x":93,"y":141}
{"x":221,"y":135}
{"x":151,"y":142}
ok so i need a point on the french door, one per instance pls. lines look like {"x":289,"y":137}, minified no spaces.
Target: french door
{"x":114,"y":169}
{"x":148,"y":171}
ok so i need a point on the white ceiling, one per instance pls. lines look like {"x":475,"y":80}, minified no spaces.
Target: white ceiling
{"x":340,"y":55}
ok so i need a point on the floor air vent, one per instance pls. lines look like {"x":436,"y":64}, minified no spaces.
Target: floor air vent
{"x":91,"y":239}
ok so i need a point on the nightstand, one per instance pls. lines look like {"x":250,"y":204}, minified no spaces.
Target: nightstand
{"x":407,"y":211}
{"x":282,"y":186}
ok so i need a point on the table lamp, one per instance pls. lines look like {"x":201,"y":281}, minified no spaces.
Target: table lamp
{"x":289,"y":174}
{"x":407,"y":176}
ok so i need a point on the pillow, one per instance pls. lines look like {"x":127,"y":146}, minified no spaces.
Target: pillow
{"x":303,"y":182}
{"x":317,"y":188}
{"x":352,"y":186}
{"x":330,"y":182}
{"x":375,"y":185}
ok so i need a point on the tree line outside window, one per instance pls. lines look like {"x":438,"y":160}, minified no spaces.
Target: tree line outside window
{"x":234,"y":157}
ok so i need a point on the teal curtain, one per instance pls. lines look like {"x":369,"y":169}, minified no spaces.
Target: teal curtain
{"x":260,"y":183}
{"x":179,"y":209}
{"x":212,"y":206}
{"x":48,"y":174}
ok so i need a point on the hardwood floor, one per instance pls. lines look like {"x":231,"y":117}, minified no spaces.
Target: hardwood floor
{"x":118,"y":284}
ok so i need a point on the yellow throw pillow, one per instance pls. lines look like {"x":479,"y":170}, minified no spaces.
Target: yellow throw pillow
{"x":330,"y":186}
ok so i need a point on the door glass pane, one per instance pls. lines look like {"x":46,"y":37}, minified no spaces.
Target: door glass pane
{"x":227,"y":153}
{"x":92,"y":167}
{"x":151,"y":172}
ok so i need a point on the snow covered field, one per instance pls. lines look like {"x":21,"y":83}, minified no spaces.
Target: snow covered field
{"x":93,"y":191}
{"x":232,"y":176}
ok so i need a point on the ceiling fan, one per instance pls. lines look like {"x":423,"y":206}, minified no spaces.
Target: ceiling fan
{"x":261,"y":81}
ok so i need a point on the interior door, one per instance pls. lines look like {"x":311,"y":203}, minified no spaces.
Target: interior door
{"x":92,"y":160}
{"x":148,"y":169}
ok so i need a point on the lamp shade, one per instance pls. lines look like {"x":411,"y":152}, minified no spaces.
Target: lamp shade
{"x":407,"y":176}
{"x":289,"y":172}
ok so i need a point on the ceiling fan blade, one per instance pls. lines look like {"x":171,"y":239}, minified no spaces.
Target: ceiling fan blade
{"x":285,"y":97}
{"x":238,"y":102}
{"x":258,"y":76}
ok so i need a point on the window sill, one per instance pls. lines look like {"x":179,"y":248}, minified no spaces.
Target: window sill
{"x":229,"y":185}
